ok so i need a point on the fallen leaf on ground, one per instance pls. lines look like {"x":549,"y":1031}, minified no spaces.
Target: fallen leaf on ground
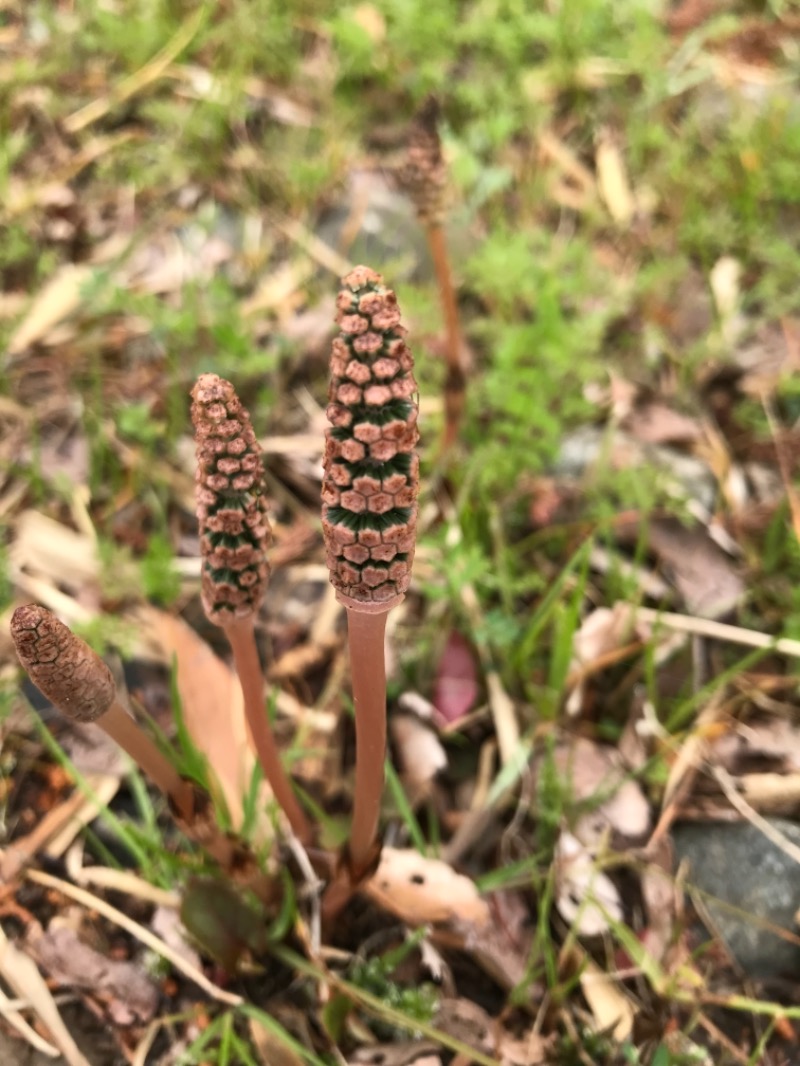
{"x":655,"y":423}
{"x":58,"y":299}
{"x":456,"y":686}
{"x":19,"y":970}
{"x":419,"y":890}
{"x":601,"y":633}
{"x":502,"y":946}
{"x":759,"y":745}
{"x":610,"y":1007}
{"x":212,"y":705}
{"x":414,"y":1053}
{"x":271,"y":1048}
{"x":586,"y":898}
{"x":468,"y":1022}
{"x":703,"y":574}
{"x":127,"y":994}
{"x":420,"y":753}
{"x":612,"y":180}
{"x":596,"y":771}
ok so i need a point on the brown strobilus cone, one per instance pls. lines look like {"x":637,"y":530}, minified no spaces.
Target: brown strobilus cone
{"x":369,"y":516}
{"x":424,"y":177}
{"x":234,"y":535}
{"x":80,"y":685}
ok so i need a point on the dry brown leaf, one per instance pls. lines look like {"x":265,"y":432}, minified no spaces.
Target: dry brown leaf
{"x":660,"y":896}
{"x":502,"y":946}
{"x":19,"y":971}
{"x":212,"y":707}
{"x":50,"y":550}
{"x":271,"y":1049}
{"x":127,"y":994}
{"x":58,"y":299}
{"x":602,"y":632}
{"x":467,"y":1022}
{"x":596,"y":770}
{"x":702,"y":572}
{"x":531,"y":1050}
{"x":612,"y":180}
{"x":655,"y":423}
{"x":611,"y":1009}
{"x":412,"y":1053}
{"x":772,"y":744}
{"x":419,"y":890}
{"x":587,"y":899}
{"x":420,"y":753}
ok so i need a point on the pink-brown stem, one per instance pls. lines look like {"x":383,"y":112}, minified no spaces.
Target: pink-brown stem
{"x":241,"y":636}
{"x":366,"y":633}
{"x":123,"y":730}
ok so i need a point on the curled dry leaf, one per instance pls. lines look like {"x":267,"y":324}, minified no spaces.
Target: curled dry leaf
{"x":586,"y":897}
{"x":212,"y":707}
{"x":596,"y":771}
{"x":420,"y":751}
{"x":57,"y":300}
{"x":610,"y":1007}
{"x":655,"y":423}
{"x":773,"y":744}
{"x":456,"y":687}
{"x":420,"y":890}
{"x":23,"y":977}
{"x":127,"y":994}
{"x":612,"y":180}
{"x":502,"y":946}
{"x":603,"y":631}
{"x":412,"y":1053}
{"x":660,"y":895}
{"x":703,"y":573}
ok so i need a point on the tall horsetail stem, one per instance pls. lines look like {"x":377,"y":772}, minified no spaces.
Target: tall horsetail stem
{"x":369,"y":519}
